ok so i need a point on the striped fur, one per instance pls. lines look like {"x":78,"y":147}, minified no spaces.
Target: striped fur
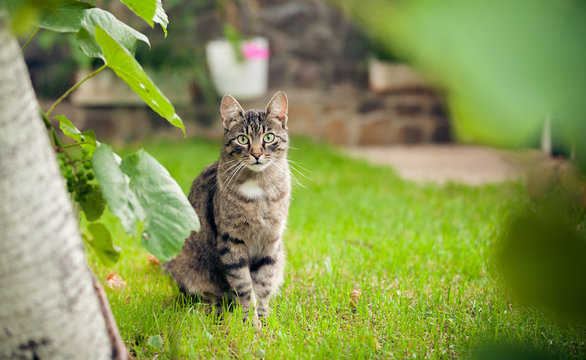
{"x":242,"y":202}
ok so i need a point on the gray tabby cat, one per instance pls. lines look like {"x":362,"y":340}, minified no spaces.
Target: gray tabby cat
{"x":242,"y":202}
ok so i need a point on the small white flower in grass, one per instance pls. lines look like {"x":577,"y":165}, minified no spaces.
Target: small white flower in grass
{"x":328,"y":265}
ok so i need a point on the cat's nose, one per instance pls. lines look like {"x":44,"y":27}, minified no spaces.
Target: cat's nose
{"x":256,"y":155}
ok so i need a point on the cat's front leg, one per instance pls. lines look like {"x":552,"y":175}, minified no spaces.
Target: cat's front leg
{"x":234,"y":256}
{"x":266,"y":271}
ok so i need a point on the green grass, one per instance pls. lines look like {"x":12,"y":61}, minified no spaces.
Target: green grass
{"x":421,"y":256}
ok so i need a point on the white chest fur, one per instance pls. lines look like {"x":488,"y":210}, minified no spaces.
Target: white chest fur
{"x":251,"y":189}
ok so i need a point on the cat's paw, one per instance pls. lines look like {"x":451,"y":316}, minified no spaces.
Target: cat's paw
{"x":256,"y":322}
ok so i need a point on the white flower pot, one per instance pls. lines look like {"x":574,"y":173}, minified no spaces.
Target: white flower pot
{"x":244,"y":80}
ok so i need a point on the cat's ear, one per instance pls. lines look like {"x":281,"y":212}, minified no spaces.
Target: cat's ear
{"x":230,"y":110}
{"x":278,"y":107}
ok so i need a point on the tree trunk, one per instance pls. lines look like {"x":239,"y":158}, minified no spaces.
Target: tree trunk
{"x":49,"y":307}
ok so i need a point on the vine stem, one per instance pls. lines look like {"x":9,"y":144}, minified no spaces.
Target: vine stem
{"x":58,"y":101}
{"x":73,"y":145}
{"x":30,"y":39}
{"x":50,"y":128}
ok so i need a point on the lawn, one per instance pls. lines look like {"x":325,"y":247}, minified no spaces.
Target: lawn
{"x":377,"y":267}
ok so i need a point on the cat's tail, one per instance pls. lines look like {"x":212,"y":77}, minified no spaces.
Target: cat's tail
{"x":166,"y":266}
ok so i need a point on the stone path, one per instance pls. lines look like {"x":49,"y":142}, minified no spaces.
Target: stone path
{"x":472,"y":165}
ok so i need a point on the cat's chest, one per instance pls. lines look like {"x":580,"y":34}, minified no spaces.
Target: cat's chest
{"x":253,"y":212}
{"x":251,"y":189}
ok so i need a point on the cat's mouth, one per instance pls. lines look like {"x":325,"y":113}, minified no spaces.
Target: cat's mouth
{"x":258,"y":166}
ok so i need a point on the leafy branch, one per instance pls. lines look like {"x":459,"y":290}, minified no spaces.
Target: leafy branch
{"x":137,"y":189}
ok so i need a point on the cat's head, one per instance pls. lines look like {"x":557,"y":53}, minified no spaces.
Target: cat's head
{"x":255,"y":138}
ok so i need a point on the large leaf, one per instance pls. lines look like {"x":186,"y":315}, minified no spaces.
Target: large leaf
{"x":122,"y":34}
{"x":150,"y":11}
{"x":101,"y":35}
{"x":170,"y":218}
{"x":119,"y":59}
{"x":115,"y":190}
{"x":100,"y":240}
{"x":25,"y":14}
{"x":141,"y":189}
{"x":505,"y":64}
{"x":82,"y":18}
{"x":64,"y":18}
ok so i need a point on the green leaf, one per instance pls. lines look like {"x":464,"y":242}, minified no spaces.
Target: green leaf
{"x":95,"y":204}
{"x":170,"y":218}
{"x":141,"y":189}
{"x":143,"y":8}
{"x":82,"y":18}
{"x":150,"y":11}
{"x":115,"y":190}
{"x":64,"y":18}
{"x":101,"y":241}
{"x":161,"y":17}
{"x":122,"y":34}
{"x":24,"y":14}
{"x":87,"y":139}
{"x":155,"y":341}
{"x":128,"y":69}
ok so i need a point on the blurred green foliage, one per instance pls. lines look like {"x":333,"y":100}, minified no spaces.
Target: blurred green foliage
{"x":235,"y":38}
{"x":25,"y":13}
{"x":542,"y":257}
{"x":505,"y":64}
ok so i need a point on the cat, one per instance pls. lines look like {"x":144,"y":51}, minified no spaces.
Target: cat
{"x":242,"y":202}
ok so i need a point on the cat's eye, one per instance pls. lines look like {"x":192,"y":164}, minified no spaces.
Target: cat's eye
{"x":242,"y":139}
{"x":270,"y":137}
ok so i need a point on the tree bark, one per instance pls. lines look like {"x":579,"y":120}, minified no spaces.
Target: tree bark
{"x":49,"y":307}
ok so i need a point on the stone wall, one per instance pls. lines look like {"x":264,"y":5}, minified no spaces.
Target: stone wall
{"x":348,"y":116}
{"x":343,"y":115}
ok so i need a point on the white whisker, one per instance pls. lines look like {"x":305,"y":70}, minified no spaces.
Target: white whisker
{"x":294,"y":166}
{"x":235,"y":173}
{"x":294,"y":178}
{"x":233,"y":163}
{"x":298,"y":164}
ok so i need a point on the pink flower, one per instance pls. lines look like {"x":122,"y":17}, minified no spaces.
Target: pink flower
{"x":252,"y":51}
